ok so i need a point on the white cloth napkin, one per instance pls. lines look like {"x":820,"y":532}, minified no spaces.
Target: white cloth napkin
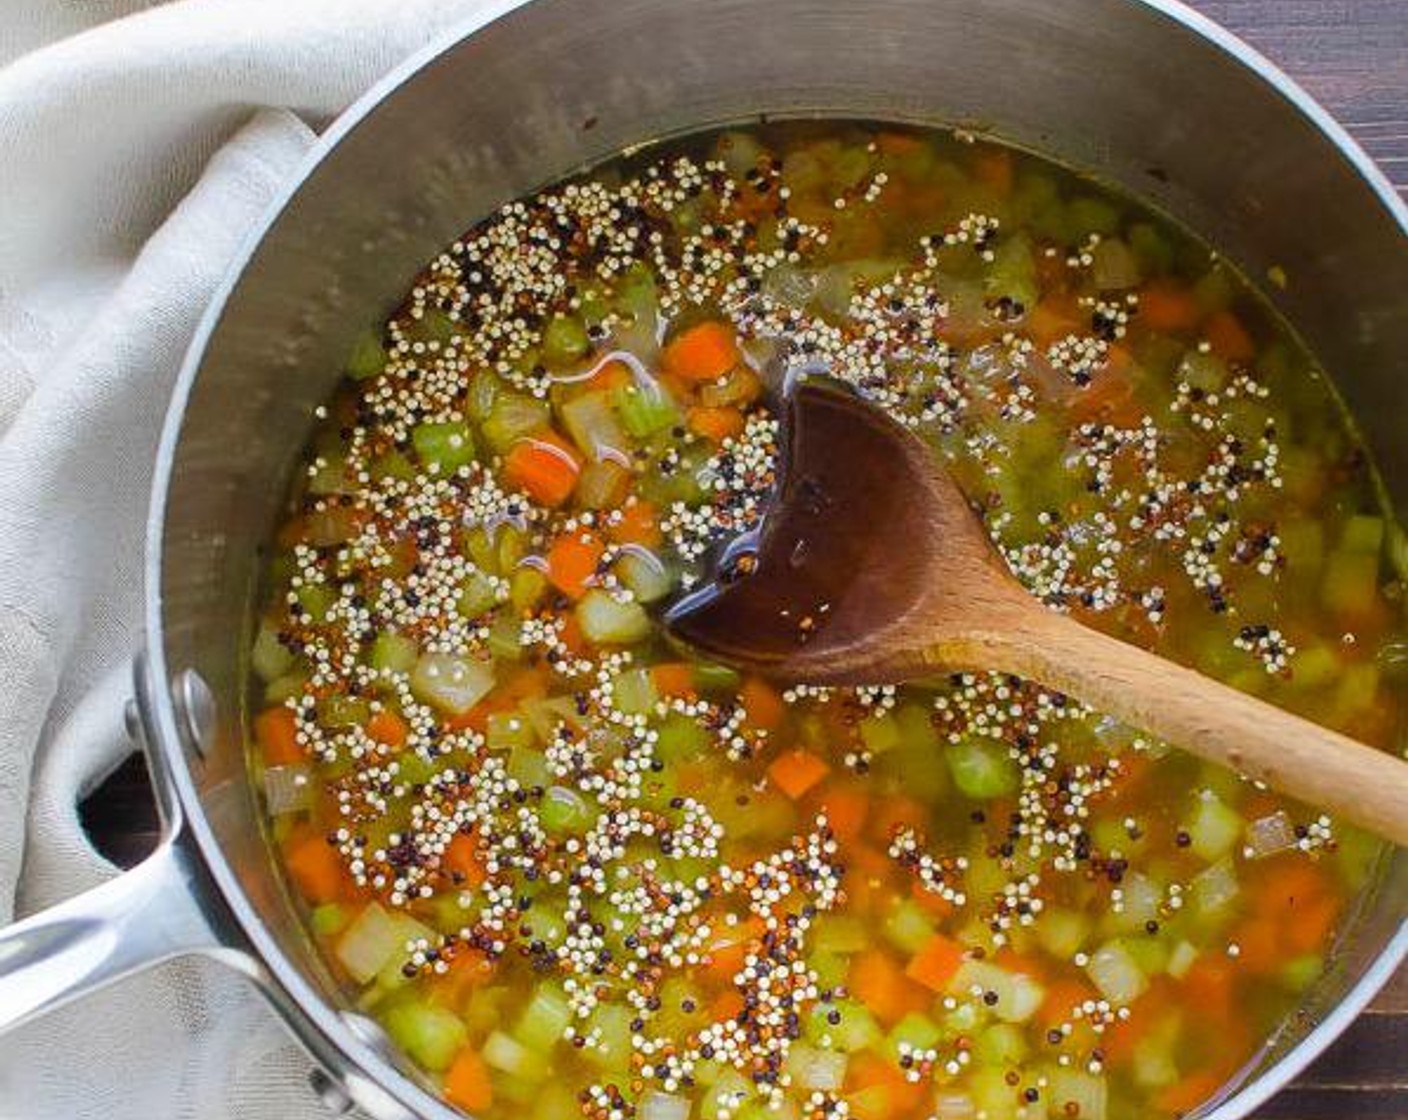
{"x":138,"y":144}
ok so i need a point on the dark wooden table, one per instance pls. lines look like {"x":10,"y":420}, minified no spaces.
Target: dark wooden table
{"x":1353,"y":56}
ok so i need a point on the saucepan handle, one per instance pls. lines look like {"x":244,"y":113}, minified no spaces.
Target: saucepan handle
{"x":165,"y":907}
{"x":143,"y":917}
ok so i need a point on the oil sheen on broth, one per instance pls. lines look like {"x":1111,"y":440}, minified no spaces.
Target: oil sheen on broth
{"x":576,"y":876}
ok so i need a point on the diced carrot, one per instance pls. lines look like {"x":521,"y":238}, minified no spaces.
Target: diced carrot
{"x":571,"y":636}
{"x":468,"y":968}
{"x":993,"y":168}
{"x":935,"y":905}
{"x":1062,"y":996}
{"x":796,"y":771}
{"x":895,"y":810}
{"x":477,"y":717}
{"x":730,"y":945}
{"x":1168,"y":307}
{"x":1054,"y":318}
{"x":1123,"y":1036}
{"x":726,"y":1006}
{"x":877,"y":1089}
{"x":762,"y":704}
{"x":635,"y":523}
{"x":702,"y":352}
{"x":845,"y":807}
{"x":879,"y":983}
{"x":1228,"y":338}
{"x":462,"y":860}
{"x":716,"y":424}
{"x":572,"y":562}
{"x":315,"y":868}
{"x":276,"y":731}
{"x":936,"y":962}
{"x":467,"y":1083}
{"x":1208,"y":987}
{"x":898,"y":143}
{"x":1290,"y":882}
{"x":613,"y":375}
{"x":529,"y":683}
{"x":1258,"y":941}
{"x":1183,"y":1096}
{"x":544,"y":466}
{"x":389,"y":729}
{"x":673,"y":678}
{"x":1310,"y":928}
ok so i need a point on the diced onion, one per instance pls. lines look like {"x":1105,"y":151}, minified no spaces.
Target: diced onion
{"x":1268,"y":835}
{"x":656,"y":1105}
{"x":452,"y":684}
{"x":1116,"y":974}
{"x":609,"y":621}
{"x":815,"y":1069}
{"x":369,"y":943}
{"x":1075,"y":1087}
{"x":287,"y":789}
{"x":954,"y":1106}
{"x":1215,"y":887}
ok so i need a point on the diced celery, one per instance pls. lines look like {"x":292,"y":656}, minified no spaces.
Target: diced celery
{"x":1091,"y":214}
{"x":1002,"y":1044}
{"x":1300,"y":973}
{"x":1349,"y":585}
{"x":270,"y":658}
{"x":917,"y":730}
{"x":528,"y":767}
{"x":812,"y":1069}
{"x":564,"y":340}
{"x":645,"y":408}
{"x":503,"y":1052}
{"x":602,"y":484}
{"x":840,"y":933}
{"x":1154,"y":1065}
{"x":1215,"y":826}
{"x":919,"y":1031}
{"x":555,"y":1101}
{"x":681,"y":738}
{"x":608,"y":621}
{"x":1149,"y":953}
{"x":286,"y":687}
{"x":543,"y":1021}
{"x":444,"y":448}
{"x":981,"y":769}
{"x":593,"y":427}
{"x":612,"y":1024}
{"x":712,"y":677}
{"x":854,"y":1029}
{"x":907,"y":926}
{"x":1073,"y":1092}
{"x":962,"y":1018}
{"x":995,"y":1098}
{"x":1012,"y":272}
{"x":368,"y":358}
{"x":342,"y":711}
{"x":329,"y":918}
{"x":1117,"y":974}
{"x":645,"y":574}
{"x":513,"y":417}
{"x":316,"y":599}
{"x":507,"y":731}
{"x":565,"y":810}
{"x":394,"y":652}
{"x":1315,"y":665}
{"x":1150,"y":247}
{"x":451,"y":684}
{"x":880,"y":733}
{"x":526,"y":587}
{"x":431,"y":1035}
{"x":478,"y":596}
{"x":392,"y":464}
{"x":1180,"y":959}
{"x":1018,"y":995}
{"x":483,"y":1011}
{"x":505,"y":640}
{"x":830,"y":969}
{"x":1062,"y":932}
{"x":724,"y":1095}
{"x":1115,"y":266}
{"x":633,"y":692}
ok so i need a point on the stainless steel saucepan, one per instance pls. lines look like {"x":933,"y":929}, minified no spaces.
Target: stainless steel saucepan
{"x":1143,"y":93}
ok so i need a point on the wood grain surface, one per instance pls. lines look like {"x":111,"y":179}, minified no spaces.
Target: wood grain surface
{"x":1352,"y":56}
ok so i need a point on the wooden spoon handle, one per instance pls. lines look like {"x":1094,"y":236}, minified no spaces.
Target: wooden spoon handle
{"x":1320,"y":767}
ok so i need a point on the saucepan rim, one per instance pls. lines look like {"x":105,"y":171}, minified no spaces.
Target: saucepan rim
{"x":348,"y":1053}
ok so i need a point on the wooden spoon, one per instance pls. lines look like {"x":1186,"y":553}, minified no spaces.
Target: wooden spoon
{"x":872,"y":568}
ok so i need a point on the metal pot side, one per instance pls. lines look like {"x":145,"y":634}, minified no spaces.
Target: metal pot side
{"x":1144,"y":94}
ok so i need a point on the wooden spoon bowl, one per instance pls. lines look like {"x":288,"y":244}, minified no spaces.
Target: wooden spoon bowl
{"x":871,"y":568}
